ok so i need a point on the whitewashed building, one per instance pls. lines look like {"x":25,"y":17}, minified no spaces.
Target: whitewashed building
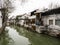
{"x":50,"y":18}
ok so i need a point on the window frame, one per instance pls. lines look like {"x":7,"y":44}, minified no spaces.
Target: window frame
{"x":51,"y":23}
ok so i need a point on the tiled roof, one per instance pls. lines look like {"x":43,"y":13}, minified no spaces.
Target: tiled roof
{"x":52,"y":11}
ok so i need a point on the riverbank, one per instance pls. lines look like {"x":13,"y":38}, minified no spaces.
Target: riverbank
{"x":28,"y":29}
{"x":37,"y":39}
{"x":42,"y":30}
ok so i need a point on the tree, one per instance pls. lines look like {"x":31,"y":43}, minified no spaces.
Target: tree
{"x":53,"y":5}
{"x":23,"y":2}
{"x":6,"y":7}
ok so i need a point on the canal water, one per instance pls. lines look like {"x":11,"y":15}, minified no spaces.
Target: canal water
{"x":20,"y":36}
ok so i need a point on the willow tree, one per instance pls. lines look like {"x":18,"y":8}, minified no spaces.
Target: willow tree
{"x":6,"y":8}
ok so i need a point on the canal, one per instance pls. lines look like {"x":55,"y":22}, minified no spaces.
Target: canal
{"x":20,"y":36}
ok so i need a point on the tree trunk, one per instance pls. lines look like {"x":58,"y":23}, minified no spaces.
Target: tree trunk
{"x":4,"y":20}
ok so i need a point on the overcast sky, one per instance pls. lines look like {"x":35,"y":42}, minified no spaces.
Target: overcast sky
{"x":30,"y":5}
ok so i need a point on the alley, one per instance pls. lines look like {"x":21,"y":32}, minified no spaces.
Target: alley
{"x":20,"y":36}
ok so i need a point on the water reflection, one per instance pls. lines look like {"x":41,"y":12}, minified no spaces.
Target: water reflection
{"x":18,"y":39}
{"x":20,"y":36}
{"x":38,"y":39}
{"x":5,"y":39}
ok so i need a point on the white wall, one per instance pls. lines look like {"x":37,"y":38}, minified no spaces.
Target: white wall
{"x":21,"y":22}
{"x":50,"y":17}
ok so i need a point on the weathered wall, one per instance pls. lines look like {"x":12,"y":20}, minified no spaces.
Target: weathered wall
{"x":50,"y":17}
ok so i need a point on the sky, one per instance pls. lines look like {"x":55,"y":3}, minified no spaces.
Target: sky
{"x":30,"y":5}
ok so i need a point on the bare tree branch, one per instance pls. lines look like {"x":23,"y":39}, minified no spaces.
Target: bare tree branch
{"x":6,"y":7}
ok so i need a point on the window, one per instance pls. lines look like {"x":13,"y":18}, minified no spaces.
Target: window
{"x":50,"y":22}
{"x":57,"y":22}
